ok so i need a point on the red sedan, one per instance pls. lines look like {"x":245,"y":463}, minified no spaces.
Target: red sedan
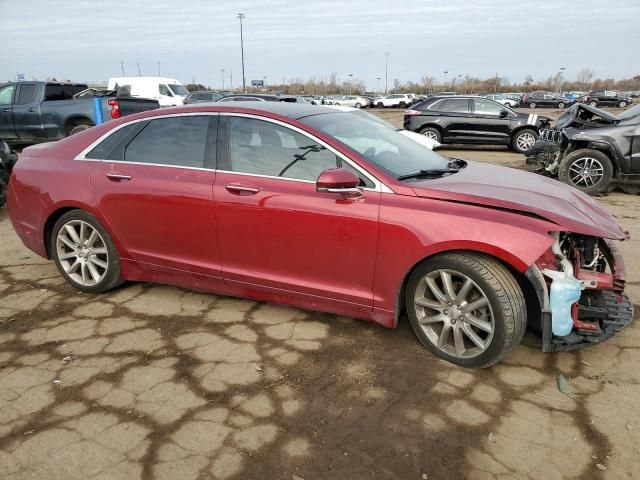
{"x":325,"y":210}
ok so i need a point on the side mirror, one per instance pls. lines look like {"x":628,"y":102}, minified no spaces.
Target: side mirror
{"x":504,"y":114}
{"x":338,"y":180}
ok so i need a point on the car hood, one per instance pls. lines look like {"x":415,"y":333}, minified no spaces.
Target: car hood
{"x":582,"y":114}
{"x":506,"y":188}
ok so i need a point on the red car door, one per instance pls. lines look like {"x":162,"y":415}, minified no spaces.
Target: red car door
{"x":154,"y":188}
{"x":276,"y":231}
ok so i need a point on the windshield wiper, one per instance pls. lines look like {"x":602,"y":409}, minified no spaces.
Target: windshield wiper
{"x":454,"y":166}
{"x":429,"y":173}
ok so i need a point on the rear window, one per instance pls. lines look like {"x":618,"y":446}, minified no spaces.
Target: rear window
{"x":112,"y":147}
{"x":453,"y":105}
{"x":53,"y":92}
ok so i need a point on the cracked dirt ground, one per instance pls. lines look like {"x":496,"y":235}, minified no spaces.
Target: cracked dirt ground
{"x":156,"y":382}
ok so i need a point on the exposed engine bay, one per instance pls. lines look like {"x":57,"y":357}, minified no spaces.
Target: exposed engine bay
{"x":595,"y":267}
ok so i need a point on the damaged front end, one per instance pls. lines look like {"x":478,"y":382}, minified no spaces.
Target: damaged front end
{"x":580,"y":285}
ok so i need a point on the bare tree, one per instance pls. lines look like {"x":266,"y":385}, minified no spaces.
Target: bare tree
{"x":584,"y":77}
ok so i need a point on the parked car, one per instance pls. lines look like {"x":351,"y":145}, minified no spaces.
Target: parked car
{"x":34,"y":112}
{"x":8,"y":159}
{"x":255,"y":97}
{"x":470,"y":251}
{"x":400,"y":100}
{"x":169,"y":92}
{"x":591,"y":149}
{"x":352,"y":101}
{"x":201,"y":96}
{"x":503,"y":100}
{"x":546,"y":99}
{"x":474,"y":120}
{"x":606,"y":98}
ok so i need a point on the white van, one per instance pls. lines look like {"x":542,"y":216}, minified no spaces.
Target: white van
{"x":168,"y":91}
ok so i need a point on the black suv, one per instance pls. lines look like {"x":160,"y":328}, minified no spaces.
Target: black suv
{"x":591,"y":149}
{"x":474,"y":120}
{"x":604,"y":98}
{"x":546,"y":99}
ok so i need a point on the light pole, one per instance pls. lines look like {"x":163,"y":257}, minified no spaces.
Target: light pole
{"x":350,"y":82}
{"x":158,"y":68}
{"x":222,"y":75}
{"x":264,"y":82}
{"x":378,"y":90}
{"x":386,"y":72}
{"x":244,"y":84}
{"x":560,"y":79}
{"x":445,"y":78}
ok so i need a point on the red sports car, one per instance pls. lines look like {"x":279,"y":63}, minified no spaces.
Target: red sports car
{"x":325,"y":210}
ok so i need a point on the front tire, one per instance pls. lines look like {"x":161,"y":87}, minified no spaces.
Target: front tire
{"x":593,"y":104}
{"x":532,"y":105}
{"x":561,"y":105}
{"x":622,"y":104}
{"x":466,"y":308}
{"x":84,"y":253}
{"x":402,"y":105}
{"x":79,"y":128}
{"x":587,"y":170}
{"x":523,"y":140}
{"x":3,"y":192}
{"x":358,"y":105}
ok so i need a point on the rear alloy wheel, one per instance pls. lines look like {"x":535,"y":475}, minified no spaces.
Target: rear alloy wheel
{"x":561,"y":105}
{"x":358,"y":105}
{"x":79,"y":128}
{"x":84,"y":253}
{"x":622,"y":104}
{"x":588,"y":170}
{"x":523,"y":140}
{"x":532,"y":105}
{"x":432,"y":133}
{"x":466,"y":308}
{"x":593,"y":104}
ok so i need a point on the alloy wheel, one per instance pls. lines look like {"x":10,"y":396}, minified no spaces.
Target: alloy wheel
{"x":82,"y":253}
{"x":525,"y":141}
{"x":454,"y":313}
{"x":586,"y":172}
{"x":431,"y":135}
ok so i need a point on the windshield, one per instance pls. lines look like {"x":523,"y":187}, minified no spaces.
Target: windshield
{"x":178,"y":89}
{"x":632,"y":112}
{"x":384,"y":147}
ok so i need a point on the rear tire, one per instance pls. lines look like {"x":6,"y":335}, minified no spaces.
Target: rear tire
{"x":358,"y":105}
{"x":84,"y":253}
{"x":561,"y":105}
{"x":590,"y":171}
{"x":622,"y":104}
{"x":593,"y":104}
{"x":402,"y":105}
{"x":79,"y":128}
{"x":380,"y":105}
{"x":432,"y":133}
{"x":3,"y":192}
{"x":532,"y":105}
{"x":445,"y":320}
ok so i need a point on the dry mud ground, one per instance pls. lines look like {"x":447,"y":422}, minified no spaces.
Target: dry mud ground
{"x":156,"y":382}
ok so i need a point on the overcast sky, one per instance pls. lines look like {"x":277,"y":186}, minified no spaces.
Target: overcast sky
{"x":85,"y":40}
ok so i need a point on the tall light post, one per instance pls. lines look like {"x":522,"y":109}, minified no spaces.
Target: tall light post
{"x":264,"y":82}
{"x":350,"y":82}
{"x":244,"y":84}
{"x":378,"y":90}
{"x":560,"y":79}
{"x":222,"y":75}
{"x":386,"y":72}
{"x":445,"y":77}
{"x":158,"y":68}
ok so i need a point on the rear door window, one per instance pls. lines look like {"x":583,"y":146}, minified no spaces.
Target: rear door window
{"x":53,"y":92}
{"x":112,"y":147}
{"x":178,"y":141}
{"x":6,"y":94}
{"x":453,"y":105}
{"x":26,"y":94}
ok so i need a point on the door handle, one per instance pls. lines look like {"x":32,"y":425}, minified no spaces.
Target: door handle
{"x":239,"y":189}
{"x":118,"y":176}
{"x":31,"y":110}
{"x":6,"y":109}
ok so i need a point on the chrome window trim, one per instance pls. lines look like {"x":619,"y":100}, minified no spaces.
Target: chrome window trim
{"x":378,"y":185}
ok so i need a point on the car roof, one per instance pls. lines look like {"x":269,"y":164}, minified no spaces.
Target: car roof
{"x":292,"y":110}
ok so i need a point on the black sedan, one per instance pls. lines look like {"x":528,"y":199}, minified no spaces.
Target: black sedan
{"x":546,"y":99}
{"x":474,"y":120}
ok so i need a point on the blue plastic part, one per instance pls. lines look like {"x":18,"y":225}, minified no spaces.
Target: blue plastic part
{"x":97,"y":110}
{"x":564,"y":292}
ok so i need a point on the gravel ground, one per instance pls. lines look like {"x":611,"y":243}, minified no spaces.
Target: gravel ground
{"x":157,"y":382}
